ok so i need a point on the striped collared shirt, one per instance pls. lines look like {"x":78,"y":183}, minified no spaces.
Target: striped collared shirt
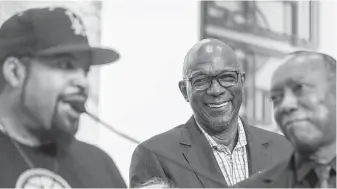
{"x":233,"y":165}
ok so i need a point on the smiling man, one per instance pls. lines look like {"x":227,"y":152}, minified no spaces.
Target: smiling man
{"x":214,"y":148}
{"x":45,"y":58}
{"x":304,"y":97}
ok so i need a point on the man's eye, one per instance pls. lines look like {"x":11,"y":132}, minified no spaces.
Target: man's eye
{"x":227,"y":77}
{"x":65,"y":64}
{"x":298,"y":89}
{"x":200,"y":81}
{"x":275,"y":98}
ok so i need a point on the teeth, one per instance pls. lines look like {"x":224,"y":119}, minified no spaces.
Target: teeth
{"x":217,"y":105}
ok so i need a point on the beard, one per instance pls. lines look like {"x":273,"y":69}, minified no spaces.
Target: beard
{"x":60,"y":137}
{"x":50,"y":128}
{"x":54,"y":134}
{"x":62,"y":129}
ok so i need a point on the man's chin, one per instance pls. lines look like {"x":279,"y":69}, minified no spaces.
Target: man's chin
{"x":220,"y":120}
{"x":64,"y":134}
{"x":67,"y":125}
{"x":305,"y":145}
{"x":64,"y":138}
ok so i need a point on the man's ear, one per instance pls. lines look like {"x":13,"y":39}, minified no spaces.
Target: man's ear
{"x":183,"y":90}
{"x":243,"y":78}
{"x":14,"y":72}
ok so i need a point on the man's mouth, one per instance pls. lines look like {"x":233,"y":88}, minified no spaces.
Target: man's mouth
{"x":293,"y":122}
{"x":219,"y":105}
{"x":72,"y":103}
{"x":68,"y":107}
{"x":78,"y":106}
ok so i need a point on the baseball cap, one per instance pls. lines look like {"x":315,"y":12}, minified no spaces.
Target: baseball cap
{"x":49,"y":31}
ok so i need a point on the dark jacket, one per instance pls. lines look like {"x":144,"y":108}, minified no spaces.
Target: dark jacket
{"x":184,"y":156}
{"x":286,"y":175}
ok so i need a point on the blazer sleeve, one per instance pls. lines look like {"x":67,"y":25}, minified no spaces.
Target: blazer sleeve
{"x":144,"y":166}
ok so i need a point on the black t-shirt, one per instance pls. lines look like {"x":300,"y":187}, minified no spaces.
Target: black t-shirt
{"x":79,"y":166}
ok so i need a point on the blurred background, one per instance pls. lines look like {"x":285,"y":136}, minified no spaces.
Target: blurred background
{"x":139,"y":95}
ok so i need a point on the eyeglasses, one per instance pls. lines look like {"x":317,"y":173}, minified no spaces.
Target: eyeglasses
{"x":203,"y":82}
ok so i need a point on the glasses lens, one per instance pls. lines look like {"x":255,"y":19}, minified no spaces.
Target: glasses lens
{"x":228,"y":78}
{"x":200,"y":83}
{"x":225,"y":79}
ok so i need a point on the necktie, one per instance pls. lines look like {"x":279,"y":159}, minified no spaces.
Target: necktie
{"x":323,"y":174}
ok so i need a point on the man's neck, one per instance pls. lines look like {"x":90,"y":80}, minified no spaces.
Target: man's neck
{"x":325,"y":154}
{"x":227,"y":137}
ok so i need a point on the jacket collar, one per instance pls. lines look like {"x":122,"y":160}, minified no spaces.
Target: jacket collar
{"x":198,"y":153}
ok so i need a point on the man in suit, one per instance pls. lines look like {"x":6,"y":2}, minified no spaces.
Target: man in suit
{"x":45,"y":57}
{"x":214,"y":148}
{"x":304,"y":97}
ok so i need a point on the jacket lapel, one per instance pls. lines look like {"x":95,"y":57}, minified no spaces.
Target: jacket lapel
{"x":258,"y":155}
{"x":279,"y":176}
{"x":198,"y":153}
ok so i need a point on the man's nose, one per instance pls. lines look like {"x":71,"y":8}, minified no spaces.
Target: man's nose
{"x":81,"y":81}
{"x":215,"y":89}
{"x":289,"y":103}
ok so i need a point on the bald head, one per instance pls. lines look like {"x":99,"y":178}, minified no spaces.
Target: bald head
{"x":209,"y":51}
{"x":317,"y":61}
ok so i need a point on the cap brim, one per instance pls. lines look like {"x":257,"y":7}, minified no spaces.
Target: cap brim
{"x":99,"y":55}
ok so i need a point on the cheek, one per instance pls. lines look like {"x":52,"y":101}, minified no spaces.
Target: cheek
{"x":305,"y":133}
{"x":48,"y":82}
{"x":324,"y":119}
{"x":318,"y":108}
{"x":196,"y":99}
{"x":45,"y":87}
{"x":321,"y":112}
{"x":196,"y":102}
{"x":237,"y":93}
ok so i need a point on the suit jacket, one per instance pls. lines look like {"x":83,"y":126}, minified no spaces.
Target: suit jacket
{"x":283,"y":175}
{"x":184,"y":156}
{"x":278,"y":176}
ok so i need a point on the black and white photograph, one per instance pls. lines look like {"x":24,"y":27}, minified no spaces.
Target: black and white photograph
{"x":168,"y":94}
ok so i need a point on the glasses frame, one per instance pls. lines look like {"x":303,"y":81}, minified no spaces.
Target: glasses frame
{"x":211,"y":77}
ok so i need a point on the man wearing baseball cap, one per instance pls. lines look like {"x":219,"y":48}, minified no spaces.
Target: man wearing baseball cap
{"x":45,"y":57}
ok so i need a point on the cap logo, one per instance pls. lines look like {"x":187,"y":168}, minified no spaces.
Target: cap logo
{"x":76,"y":23}
{"x":209,"y":49}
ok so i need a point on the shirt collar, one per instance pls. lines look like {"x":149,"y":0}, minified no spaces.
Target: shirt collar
{"x":242,"y":140}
